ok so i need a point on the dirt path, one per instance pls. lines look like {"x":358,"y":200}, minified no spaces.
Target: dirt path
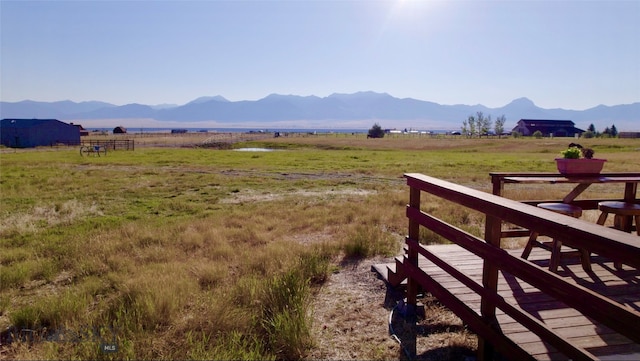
{"x":351,"y":315}
{"x":351,"y":318}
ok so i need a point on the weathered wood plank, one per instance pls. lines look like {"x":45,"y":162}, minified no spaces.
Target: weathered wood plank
{"x":623,"y":286}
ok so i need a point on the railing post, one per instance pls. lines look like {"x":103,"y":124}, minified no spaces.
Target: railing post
{"x":630,"y":190}
{"x":414,"y":233}
{"x":492,"y":234}
{"x":498,"y":184}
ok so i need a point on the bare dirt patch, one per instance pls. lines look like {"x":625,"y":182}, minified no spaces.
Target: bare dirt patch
{"x":249,"y":196}
{"x":62,"y":213}
{"x":350,"y":317}
{"x":354,"y":312}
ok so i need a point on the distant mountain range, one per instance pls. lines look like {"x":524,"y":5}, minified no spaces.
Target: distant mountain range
{"x":360,"y":109}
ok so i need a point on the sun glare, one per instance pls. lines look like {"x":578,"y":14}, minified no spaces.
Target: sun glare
{"x":411,"y":15}
{"x":414,"y":10}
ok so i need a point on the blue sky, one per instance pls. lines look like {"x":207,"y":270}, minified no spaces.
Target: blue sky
{"x":560,"y":54}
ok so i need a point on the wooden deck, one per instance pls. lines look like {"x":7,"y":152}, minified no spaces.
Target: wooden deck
{"x":622,"y":286}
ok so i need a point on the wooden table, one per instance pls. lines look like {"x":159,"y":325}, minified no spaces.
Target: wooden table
{"x":582,"y":182}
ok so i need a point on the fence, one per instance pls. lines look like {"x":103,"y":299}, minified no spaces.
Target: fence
{"x":111,"y":144}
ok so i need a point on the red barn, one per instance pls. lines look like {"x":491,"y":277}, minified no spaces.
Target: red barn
{"x":555,"y":128}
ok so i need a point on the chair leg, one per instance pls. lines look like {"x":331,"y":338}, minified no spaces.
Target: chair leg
{"x":623,"y":223}
{"x":585,"y":258}
{"x":602,"y":218}
{"x":618,"y":265}
{"x":527,"y":249}
{"x":556,"y":246}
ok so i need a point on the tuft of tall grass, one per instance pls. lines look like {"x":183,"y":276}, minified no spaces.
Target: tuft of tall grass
{"x":368,"y":240}
{"x":276,"y":321}
{"x":211,"y":275}
{"x":51,"y":312}
{"x":14,"y":275}
{"x":12,"y":255}
{"x":232,"y":346}
{"x":284,"y":320}
{"x":19,"y":273}
{"x":152,"y":300}
{"x":314,"y":264}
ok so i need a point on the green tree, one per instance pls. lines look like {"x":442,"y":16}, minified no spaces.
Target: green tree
{"x":537,"y":134}
{"x":483,"y":123}
{"x":480,"y":125}
{"x":614,"y":131}
{"x":376,"y":131}
{"x":592,"y":128}
{"x":472,"y":126}
{"x":499,"y":125}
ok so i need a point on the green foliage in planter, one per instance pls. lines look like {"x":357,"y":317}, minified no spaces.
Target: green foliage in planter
{"x":571,"y":153}
{"x":576,"y":151}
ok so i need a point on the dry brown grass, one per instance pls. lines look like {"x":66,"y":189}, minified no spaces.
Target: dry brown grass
{"x":179,"y":249}
{"x":165,"y":139}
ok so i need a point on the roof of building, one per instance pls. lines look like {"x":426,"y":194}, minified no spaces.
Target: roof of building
{"x":548,"y":126}
{"x":26,"y":123}
{"x":547,"y":122}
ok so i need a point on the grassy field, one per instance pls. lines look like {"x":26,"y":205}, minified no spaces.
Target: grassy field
{"x":195,"y":253}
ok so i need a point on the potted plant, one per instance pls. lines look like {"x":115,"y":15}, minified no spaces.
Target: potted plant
{"x":579,"y":160}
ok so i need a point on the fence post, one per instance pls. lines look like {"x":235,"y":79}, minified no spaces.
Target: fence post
{"x":414,"y":234}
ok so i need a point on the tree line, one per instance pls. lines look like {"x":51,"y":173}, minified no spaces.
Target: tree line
{"x":606,"y":133}
{"x":479,"y":125}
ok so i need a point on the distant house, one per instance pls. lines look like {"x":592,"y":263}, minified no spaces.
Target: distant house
{"x":119,"y":130}
{"x":83,"y":132}
{"x":629,"y":135}
{"x":548,"y":128}
{"x":29,"y":133}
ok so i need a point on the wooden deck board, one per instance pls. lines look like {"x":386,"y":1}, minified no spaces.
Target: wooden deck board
{"x":620,"y":285}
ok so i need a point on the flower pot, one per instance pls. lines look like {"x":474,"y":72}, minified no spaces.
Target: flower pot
{"x":580,"y":166}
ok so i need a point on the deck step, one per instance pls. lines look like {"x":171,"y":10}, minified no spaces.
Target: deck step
{"x":392,"y":273}
{"x":396,"y":274}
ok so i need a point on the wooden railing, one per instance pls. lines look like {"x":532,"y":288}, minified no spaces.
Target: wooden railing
{"x":613,"y":244}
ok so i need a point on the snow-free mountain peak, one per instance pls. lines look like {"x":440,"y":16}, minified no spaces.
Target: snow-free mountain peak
{"x":522,"y":102}
{"x":359,"y":109}
{"x":218,"y":98}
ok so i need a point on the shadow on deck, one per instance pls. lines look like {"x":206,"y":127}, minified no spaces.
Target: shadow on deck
{"x":622,"y":286}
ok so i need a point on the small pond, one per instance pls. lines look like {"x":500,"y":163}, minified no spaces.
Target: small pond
{"x":254,"y":150}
